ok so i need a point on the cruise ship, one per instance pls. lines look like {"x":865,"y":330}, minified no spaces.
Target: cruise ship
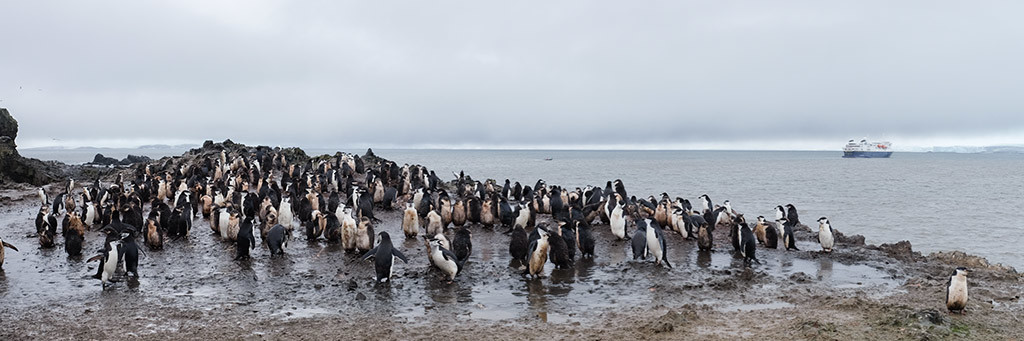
{"x":867,"y":149}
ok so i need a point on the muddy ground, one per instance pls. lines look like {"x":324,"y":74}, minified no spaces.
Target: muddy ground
{"x":193,"y":289}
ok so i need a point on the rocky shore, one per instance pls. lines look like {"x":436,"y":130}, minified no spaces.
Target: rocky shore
{"x":193,"y":289}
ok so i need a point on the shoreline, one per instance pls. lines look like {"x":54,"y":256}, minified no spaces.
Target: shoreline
{"x":914,"y":279}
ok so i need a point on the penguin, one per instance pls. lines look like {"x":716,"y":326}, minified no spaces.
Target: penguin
{"x":956,"y":291}
{"x":3,"y":245}
{"x":154,"y":234}
{"x":349,"y":230}
{"x":284,"y":214}
{"x":523,"y":216}
{"x":90,"y":215}
{"x":109,"y":258}
{"x":246,"y":240}
{"x":825,"y":235}
{"x":232,"y":227}
{"x":705,"y":239}
{"x":705,"y":204}
{"x":780,"y":212}
{"x":538,"y":253}
{"x":444,"y":260}
{"x":771,"y":236}
{"x":277,"y":239}
{"x":505,"y":213}
{"x":459,"y":213}
{"x":791,"y":215}
{"x":462,"y":245}
{"x":41,"y":219}
{"x":332,"y":229}
{"x":74,"y":235}
{"x":788,"y":241}
{"x":364,"y":235}
{"x":44,"y":200}
{"x":568,"y":233}
{"x":761,"y":230}
{"x":130,"y":252}
{"x":655,"y":238}
{"x":748,"y":244}
{"x":519,"y":245}
{"x":223,"y":219}
{"x":314,"y":227}
{"x":434,"y":224}
{"x":617,"y":221}
{"x":49,"y":232}
{"x":558,"y":250}
{"x":384,"y":257}
{"x":639,"y":241}
{"x":585,"y":239}
{"x":446,"y":209}
{"x":410,"y":221}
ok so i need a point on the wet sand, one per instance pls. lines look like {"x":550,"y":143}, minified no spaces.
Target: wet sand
{"x":194,"y":289}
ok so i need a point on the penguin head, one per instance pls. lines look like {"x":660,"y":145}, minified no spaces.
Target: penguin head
{"x":960,"y":271}
{"x":823,"y":221}
{"x":760,"y":219}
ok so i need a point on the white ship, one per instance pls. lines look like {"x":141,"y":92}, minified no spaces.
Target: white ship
{"x":867,"y":149}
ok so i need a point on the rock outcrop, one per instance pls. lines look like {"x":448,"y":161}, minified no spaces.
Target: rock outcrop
{"x":14,"y":167}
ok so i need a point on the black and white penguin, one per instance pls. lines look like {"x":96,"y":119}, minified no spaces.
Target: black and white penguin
{"x":791,"y":215}
{"x":519,"y":245}
{"x":3,"y":245}
{"x":277,"y":239}
{"x":780,"y":212}
{"x":130,"y":252}
{"x":538,"y":253}
{"x":109,"y":257}
{"x":705,"y":203}
{"x":49,"y":231}
{"x":245,"y":240}
{"x":462,"y":245}
{"x":315,"y":226}
{"x":956,"y":291}
{"x":384,"y":257}
{"x":656,"y":243}
{"x":748,"y":244}
{"x":788,"y":240}
{"x":617,"y":221}
{"x":585,"y":239}
{"x":444,"y":259}
{"x":523,"y":215}
{"x":826,"y":235}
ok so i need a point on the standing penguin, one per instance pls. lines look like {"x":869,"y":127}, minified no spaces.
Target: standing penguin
{"x":349,"y":230}
{"x":639,"y":241}
{"x":617,"y":221}
{"x":519,"y":245}
{"x":130,"y":251}
{"x":3,"y":245}
{"x":569,"y":235}
{"x":459,"y":213}
{"x":585,"y":239}
{"x":434,"y":223}
{"x":956,"y":291}
{"x":761,"y":230}
{"x":748,"y":244}
{"x":384,"y":257}
{"x":74,"y":235}
{"x":245,"y":240}
{"x":825,"y":235}
{"x":771,"y":236}
{"x":443,"y":259}
{"x":656,"y":243}
{"x":410,"y":221}
{"x":523,"y":216}
{"x":364,"y":235}
{"x":316,"y":226}
{"x":705,"y":239}
{"x":788,"y":241}
{"x":109,"y":258}
{"x":462,"y":245}
{"x":277,"y":239}
{"x":49,"y":231}
{"x":559,"y":251}
{"x":791,"y":215}
{"x":538,"y":253}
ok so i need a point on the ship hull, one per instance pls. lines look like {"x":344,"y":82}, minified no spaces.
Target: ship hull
{"x":871,"y":155}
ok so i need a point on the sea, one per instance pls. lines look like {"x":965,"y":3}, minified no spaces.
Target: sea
{"x":937,"y":201}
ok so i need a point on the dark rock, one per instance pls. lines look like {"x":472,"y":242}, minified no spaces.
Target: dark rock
{"x":901,"y":251}
{"x":14,"y":167}
{"x":852,"y":240}
{"x":99,"y":159}
{"x":133,"y":159}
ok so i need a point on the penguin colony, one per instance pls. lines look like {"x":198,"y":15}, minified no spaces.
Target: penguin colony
{"x":333,"y":199}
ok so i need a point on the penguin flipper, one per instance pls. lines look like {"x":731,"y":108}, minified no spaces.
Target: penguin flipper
{"x":371,"y":253}
{"x":399,"y":254}
{"x":94,"y":258}
{"x":8,"y":245}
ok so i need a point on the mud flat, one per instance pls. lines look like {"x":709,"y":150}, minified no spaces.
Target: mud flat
{"x":193,"y":289}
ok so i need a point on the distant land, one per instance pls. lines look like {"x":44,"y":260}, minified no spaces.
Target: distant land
{"x":148,"y":146}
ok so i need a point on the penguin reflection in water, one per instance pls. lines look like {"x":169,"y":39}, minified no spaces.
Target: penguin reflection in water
{"x":384,"y":257}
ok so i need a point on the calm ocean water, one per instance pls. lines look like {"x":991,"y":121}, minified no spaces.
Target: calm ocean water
{"x":938,"y":201}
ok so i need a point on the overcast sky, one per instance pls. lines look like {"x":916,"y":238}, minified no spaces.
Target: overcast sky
{"x":594,"y":74}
